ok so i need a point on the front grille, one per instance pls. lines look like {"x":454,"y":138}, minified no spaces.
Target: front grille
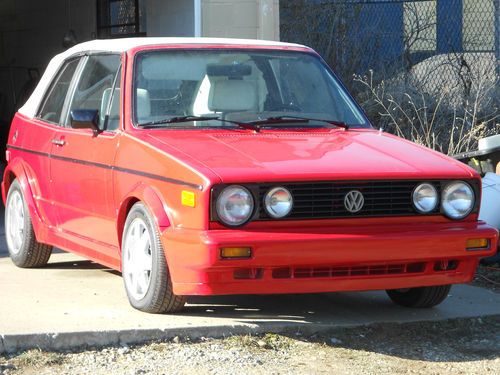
{"x":348,"y":271}
{"x":321,"y":200}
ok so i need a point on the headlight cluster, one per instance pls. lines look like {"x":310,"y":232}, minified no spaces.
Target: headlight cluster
{"x":457,"y":199}
{"x":235,"y":204}
{"x":425,"y":198}
{"x":278,"y":202}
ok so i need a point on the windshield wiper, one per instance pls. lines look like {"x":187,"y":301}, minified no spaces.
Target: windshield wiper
{"x":176,"y":120}
{"x":296,"y":120}
{"x":179,"y":119}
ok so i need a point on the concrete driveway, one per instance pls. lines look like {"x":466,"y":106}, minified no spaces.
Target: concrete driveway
{"x":73,"y":302}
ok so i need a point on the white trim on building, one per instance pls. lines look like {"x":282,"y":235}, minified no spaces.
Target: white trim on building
{"x":197,"y":18}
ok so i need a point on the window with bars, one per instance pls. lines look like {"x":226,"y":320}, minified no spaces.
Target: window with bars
{"x":479,"y":25}
{"x":420,"y":20}
{"x":121,"y":18}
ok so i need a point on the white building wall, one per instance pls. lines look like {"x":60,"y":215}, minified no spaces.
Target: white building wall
{"x":254,"y":19}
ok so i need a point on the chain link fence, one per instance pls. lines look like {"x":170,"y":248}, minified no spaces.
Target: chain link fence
{"x":419,"y":67}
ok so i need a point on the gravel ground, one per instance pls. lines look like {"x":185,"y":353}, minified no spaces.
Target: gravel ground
{"x":467,"y":346}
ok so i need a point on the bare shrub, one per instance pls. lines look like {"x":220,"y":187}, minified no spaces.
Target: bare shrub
{"x":436,"y":120}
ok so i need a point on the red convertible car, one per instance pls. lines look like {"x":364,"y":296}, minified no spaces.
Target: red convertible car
{"x":223,"y":166}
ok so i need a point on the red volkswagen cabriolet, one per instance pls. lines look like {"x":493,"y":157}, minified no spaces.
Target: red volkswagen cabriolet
{"x":220,"y":166}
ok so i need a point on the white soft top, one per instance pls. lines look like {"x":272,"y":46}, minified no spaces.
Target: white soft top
{"x":122,"y":45}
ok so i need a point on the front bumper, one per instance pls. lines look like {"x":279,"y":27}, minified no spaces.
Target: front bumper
{"x":325,"y":259}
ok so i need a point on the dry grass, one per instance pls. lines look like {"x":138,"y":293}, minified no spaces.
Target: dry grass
{"x":37,"y":358}
{"x":268,"y":341}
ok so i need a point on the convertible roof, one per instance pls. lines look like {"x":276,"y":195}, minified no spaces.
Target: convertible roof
{"x":122,"y":45}
{"x":125,"y":44}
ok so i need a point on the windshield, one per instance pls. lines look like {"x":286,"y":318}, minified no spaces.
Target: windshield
{"x":238,"y":85}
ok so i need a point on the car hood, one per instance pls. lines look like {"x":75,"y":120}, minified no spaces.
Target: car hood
{"x":244,"y":156}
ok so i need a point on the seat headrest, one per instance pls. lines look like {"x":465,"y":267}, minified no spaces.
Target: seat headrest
{"x":232,"y":95}
{"x":143,"y":104}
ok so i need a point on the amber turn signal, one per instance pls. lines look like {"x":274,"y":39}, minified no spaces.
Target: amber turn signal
{"x":188,"y":198}
{"x":235,"y":252}
{"x":477,"y":243}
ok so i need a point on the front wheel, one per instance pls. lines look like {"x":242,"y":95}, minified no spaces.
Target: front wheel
{"x":144,"y":268}
{"x":427,"y":296}
{"x":24,"y":250}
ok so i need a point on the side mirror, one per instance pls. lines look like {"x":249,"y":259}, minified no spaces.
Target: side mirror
{"x":85,"y":119}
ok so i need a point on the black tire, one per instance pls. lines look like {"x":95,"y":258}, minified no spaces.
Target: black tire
{"x":423,"y":297}
{"x":30,"y":253}
{"x":159,"y":297}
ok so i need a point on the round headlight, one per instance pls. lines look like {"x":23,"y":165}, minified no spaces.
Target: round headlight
{"x":457,"y":199}
{"x":425,"y":198}
{"x":235,"y":205}
{"x":278,"y":202}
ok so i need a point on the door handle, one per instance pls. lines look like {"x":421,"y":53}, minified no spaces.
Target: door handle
{"x":59,"y":142}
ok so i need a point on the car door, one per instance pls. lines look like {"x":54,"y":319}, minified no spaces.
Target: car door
{"x":38,"y":135}
{"x":82,"y":159}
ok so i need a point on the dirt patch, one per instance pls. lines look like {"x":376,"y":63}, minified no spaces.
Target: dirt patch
{"x":488,"y":277}
{"x":464,"y":346}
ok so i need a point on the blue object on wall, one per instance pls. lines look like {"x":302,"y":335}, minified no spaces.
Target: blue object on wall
{"x":380,"y":26}
{"x":449,"y":26}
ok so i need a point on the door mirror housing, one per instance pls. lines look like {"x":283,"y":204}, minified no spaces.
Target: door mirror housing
{"x":85,"y":119}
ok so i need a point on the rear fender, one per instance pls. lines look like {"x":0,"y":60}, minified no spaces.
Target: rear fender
{"x":16,"y":170}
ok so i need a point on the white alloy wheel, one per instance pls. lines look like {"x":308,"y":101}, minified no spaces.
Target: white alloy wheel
{"x":14,"y":224}
{"x":144,"y":267}
{"x":24,"y":249}
{"x":137,"y":259}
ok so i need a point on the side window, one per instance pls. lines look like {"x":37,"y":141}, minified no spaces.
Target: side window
{"x":52,"y":106}
{"x":93,"y":90}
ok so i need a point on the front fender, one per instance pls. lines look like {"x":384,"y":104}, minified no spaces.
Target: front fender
{"x":153,"y":202}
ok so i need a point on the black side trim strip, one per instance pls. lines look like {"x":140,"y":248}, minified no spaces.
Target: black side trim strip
{"x":112,"y":167}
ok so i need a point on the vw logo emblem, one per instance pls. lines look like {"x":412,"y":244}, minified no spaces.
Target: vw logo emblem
{"x":354,"y":201}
